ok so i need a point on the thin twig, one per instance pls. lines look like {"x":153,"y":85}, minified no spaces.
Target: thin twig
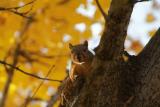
{"x":137,"y":1}
{"x":35,"y":76}
{"x":142,"y":0}
{"x":54,"y":97}
{"x":101,"y":10}
{"x":15,"y":10}
{"x":29,"y":99}
{"x":62,"y":2}
{"x":18,"y":7}
{"x":42,"y":82}
{"x":53,"y":100}
{"x":20,"y":14}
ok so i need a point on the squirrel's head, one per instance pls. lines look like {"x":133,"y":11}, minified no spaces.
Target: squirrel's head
{"x":79,"y":53}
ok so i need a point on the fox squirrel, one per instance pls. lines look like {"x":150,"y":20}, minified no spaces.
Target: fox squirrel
{"x":81,"y":59}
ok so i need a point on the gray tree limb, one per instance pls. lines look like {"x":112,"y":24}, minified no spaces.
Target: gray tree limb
{"x":148,"y":93}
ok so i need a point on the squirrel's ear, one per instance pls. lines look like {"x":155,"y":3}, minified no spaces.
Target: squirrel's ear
{"x":70,"y":46}
{"x":86,"y":43}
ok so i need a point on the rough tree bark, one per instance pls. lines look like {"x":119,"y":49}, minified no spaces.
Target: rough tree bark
{"x":113,"y":81}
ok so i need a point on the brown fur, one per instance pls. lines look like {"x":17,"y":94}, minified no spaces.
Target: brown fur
{"x":81,"y":60}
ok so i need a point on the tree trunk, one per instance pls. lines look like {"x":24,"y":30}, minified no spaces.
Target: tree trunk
{"x":114,"y":81}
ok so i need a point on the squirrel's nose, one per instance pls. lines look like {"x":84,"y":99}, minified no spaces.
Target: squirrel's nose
{"x":79,"y":57}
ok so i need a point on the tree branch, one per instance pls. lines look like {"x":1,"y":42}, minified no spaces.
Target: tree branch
{"x":15,"y":55}
{"x":118,"y":83}
{"x":28,"y":100}
{"x":141,"y":0}
{"x":151,"y":51}
{"x":62,"y":2}
{"x":15,"y":10}
{"x":112,"y":41}
{"x":41,"y":83}
{"x":104,"y":81}
{"x":53,"y":99}
{"x":101,"y":10}
{"x":26,"y":73}
{"x":10,"y":72}
{"x":18,"y":7}
{"x":148,"y":93}
{"x":6,"y":88}
{"x":19,"y":14}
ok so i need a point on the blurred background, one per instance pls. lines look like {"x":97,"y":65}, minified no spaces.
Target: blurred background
{"x":34,"y":36}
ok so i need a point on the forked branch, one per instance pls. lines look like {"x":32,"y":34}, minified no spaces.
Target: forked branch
{"x":112,"y":41}
{"x":15,"y":10}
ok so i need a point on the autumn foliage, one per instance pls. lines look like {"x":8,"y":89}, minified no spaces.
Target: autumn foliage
{"x":34,"y":38}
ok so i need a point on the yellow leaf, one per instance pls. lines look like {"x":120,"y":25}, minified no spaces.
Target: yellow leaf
{"x":150,"y":18}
